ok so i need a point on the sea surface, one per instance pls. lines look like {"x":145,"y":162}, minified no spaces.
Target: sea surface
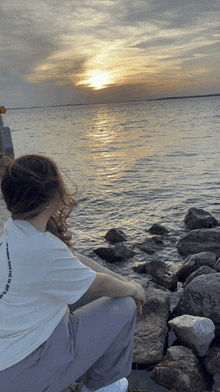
{"x":135,"y":164}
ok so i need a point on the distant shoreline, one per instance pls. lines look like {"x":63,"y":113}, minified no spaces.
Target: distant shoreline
{"x":107,"y":103}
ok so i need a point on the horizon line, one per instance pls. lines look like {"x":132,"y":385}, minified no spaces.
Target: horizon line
{"x":107,"y":103}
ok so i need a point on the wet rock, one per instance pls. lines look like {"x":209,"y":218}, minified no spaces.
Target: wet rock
{"x":179,"y":371}
{"x":158,"y":229}
{"x":197,"y":241}
{"x":116,"y":235}
{"x":152,"y":245}
{"x":120,"y":252}
{"x":193,"y":262}
{"x":212,"y":360}
{"x":201,"y":298}
{"x":161,"y":273}
{"x":198,"y":219}
{"x":107,"y":254}
{"x":151,"y":328}
{"x":204,"y":270}
{"x":194,"y":332}
{"x":140,"y":268}
{"x":123,"y":251}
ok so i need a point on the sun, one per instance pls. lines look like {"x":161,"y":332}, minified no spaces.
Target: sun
{"x":98,"y":81}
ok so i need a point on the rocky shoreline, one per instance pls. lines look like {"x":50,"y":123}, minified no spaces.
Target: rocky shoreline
{"x":184,"y":299}
{"x":177,"y":337}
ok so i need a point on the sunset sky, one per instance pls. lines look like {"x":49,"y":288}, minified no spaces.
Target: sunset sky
{"x":85,"y":51}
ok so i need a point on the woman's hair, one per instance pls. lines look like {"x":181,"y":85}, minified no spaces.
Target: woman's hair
{"x":28,"y":183}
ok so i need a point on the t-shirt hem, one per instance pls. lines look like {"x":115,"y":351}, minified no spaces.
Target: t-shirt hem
{"x":31,"y":349}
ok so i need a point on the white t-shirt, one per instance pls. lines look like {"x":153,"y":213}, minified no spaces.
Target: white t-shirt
{"x":39,"y":276}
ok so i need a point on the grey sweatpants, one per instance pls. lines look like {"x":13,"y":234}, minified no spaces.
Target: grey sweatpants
{"x":93,"y":342}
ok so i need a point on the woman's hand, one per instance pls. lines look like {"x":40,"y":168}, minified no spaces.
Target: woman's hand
{"x":139,"y":296}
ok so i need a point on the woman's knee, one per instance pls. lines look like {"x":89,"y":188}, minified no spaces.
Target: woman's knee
{"x":131,"y":304}
{"x":125,"y":305}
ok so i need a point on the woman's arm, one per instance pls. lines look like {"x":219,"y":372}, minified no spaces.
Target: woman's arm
{"x":108,"y":286}
{"x":97,"y":267}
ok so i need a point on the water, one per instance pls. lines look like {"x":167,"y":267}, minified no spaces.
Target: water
{"x":137,"y":164}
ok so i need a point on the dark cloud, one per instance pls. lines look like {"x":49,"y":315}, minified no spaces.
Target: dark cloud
{"x":125,"y":92}
{"x":62,"y":70}
{"x":154,"y":42}
{"x":171,"y":12}
{"x":24,"y":43}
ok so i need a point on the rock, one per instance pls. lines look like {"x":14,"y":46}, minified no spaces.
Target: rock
{"x":151,"y":328}
{"x":115,"y":235}
{"x":123,"y":251}
{"x":197,"y":241}
{"x":152,"y":245}
{"x":198,"y":219}
{"x":140,"y":268}
{"x":201,"y":298}
{"x":212,"y":360}
{"x":119,"y":253}
{"x":161,"y":273}
{"x":179,"y":371}
{"x":107,"y":254}
{"x":194,"y":332}
{"x":157,"y":229}
{"x":193,"y":262}
{"x":204,"y":270}
{"x":175,"y":297}
{"x":217,"y":265}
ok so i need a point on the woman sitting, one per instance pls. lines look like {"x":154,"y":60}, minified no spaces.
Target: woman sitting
{"x":46,"y":345}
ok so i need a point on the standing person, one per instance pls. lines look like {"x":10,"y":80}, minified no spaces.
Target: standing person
{"x":45,"y":347}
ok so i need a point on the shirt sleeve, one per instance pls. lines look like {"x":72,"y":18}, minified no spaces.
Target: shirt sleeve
{"x":67,"y":279}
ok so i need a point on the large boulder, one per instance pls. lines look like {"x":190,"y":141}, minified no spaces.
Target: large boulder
{"x":152,"y":245}
{"x":197,"y":241}
{"x":201,"y":298}
{"x":116,"y":235}
{"x":194,"y":332}
{"x":204,"y":270}
{"x":161,"y":273}
{"x":212,"y":360}
{"x":151,"y":328}
{"x":193,"y":262}
{"x":180,"y":371}
{"x":198,"y":219}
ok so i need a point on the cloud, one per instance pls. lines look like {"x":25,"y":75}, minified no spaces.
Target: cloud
{"x":52,"y":46}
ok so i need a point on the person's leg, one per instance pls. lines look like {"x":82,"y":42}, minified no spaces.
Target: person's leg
{"x":103,"y":340}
